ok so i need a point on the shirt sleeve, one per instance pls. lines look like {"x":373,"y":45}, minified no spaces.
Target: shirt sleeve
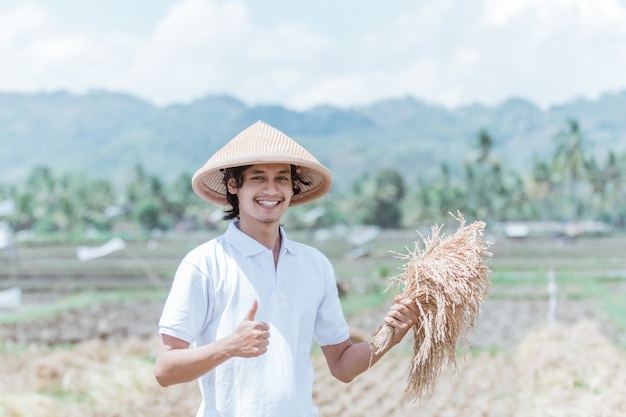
{"x":186,"y":309}
{"x":331,"y":327}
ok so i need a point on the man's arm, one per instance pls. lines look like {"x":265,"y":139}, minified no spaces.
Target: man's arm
{"x":346,"y":360}
{"x":176,"y":363}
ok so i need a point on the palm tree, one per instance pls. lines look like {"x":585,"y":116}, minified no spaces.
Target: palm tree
{"x":486,"y":191}
{"x":378,"y":199}
{"x":485,"y":143}
{"x":615,"y":176}
{"x":389,"y":191}
{"x":541,"y":188}
{"x":569,"y":162}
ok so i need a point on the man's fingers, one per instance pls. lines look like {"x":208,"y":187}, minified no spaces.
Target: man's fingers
{"x":399,"y":319}
{"x":406,"y":302}
{"x":401,"y":313}
{"x":406,"y":305}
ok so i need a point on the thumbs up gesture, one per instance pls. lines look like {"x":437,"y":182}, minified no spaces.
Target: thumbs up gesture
{"x":251,"y":337}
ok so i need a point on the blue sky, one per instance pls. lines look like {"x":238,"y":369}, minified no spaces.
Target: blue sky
{"x":343,"y":53}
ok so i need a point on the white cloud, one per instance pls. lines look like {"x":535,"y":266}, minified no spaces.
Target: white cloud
{"x":547,"y":51}
{"x":19,"y":22}
{"x":54,"y":52}
{"x":205,"y":46}
{"x":602,"y":15}
{"x":498,"y":13}
{"x":587,"y":15}
{"x":446,"y":51}
{"x":188,"y":52}
{"x":419,"y":27}
{"x":41,"y":54}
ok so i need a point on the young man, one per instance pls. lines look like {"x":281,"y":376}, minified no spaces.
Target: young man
{"x":244,"y":307}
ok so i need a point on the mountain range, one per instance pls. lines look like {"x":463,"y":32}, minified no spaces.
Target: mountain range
{"x":105,"y":134}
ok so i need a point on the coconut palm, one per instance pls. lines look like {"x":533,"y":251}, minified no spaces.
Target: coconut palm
{"x":486,"y":190}
{"x":390,"y":190}
{"x":614,"y":177}
{"x":569,"y":163}
{"x":541,"y":189}
{"x":377,"y":200}
{"x":485,"y":143}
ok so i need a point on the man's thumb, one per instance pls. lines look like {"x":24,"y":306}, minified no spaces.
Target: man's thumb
{"x":252,"y":312}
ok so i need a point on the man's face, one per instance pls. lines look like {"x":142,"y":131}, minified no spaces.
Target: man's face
{"x":265,"y":193}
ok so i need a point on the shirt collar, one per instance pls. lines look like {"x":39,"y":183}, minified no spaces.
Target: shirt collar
{"x":248,"y":246}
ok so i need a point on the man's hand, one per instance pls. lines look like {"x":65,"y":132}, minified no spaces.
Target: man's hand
{"x":401,"y":317}
{"x":251,"y":338}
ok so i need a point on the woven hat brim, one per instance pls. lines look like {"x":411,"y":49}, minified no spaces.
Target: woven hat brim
{"x":208,"y":182}
{"x":261,"y":143}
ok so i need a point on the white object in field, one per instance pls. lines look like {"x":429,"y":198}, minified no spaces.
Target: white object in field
{"x":216,"y":215}
{"x":85,"y":253}
{"x":312,"y":215}
{"x":361,"y":235}
{"x":11,"y":298}
{"x":6,"y":235}
{"x":552,"y":291}
{"x":517,"y":230}
{"x":7,"y":208}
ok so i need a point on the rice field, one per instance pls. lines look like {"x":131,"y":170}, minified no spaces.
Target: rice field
{"x":83,"y":343}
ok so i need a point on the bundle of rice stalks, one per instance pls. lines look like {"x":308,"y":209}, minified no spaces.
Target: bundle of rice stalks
{"x":448,"y":280}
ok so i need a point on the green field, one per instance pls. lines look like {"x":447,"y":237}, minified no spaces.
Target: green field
{"x":53,"y":279}
{"x":104,"y":314}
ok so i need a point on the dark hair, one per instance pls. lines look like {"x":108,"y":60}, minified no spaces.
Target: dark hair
{"x":237,"y":174}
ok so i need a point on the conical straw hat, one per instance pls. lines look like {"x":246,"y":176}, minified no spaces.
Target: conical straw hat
{"x":259,"y":144}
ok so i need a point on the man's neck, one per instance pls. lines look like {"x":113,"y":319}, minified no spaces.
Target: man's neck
{"x":267,"y":234}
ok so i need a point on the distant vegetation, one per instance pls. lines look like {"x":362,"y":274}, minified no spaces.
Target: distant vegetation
{"x":103,"y":134}
{"x":570,"y":184}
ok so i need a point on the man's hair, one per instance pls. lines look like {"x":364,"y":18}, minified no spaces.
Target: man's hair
{"x":237,"y":174}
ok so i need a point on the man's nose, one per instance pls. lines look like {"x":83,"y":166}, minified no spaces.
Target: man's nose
{"x":271,"y":187}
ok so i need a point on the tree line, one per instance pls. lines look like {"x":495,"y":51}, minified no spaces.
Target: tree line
{"x":571,"y":184}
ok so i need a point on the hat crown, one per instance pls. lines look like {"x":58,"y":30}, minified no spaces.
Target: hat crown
{"x":261,"y":140}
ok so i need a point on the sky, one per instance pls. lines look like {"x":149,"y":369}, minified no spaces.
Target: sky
{"x":327,"y":52}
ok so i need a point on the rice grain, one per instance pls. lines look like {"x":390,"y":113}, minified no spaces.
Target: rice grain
{"x":448,"y":280}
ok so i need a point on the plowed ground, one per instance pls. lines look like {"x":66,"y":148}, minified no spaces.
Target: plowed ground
{"x":98,"y":360}
{"x":567,"y":369}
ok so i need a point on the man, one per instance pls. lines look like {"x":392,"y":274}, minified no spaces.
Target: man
{"x":244,"y":307}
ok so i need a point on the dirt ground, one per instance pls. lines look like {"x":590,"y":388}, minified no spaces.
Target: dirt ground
{"x":99,"y":360}
{"x":502,"y":323}
{"x":526,"y":367}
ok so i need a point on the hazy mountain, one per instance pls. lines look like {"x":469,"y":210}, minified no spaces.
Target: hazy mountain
{"x":105,"y":134}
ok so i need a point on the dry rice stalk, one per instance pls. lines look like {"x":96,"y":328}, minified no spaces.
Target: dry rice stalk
{"x":448,"y":280}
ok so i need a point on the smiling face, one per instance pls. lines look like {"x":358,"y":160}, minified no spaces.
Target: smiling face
{"x":264,"y":195}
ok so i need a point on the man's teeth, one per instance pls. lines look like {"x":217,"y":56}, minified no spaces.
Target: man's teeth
{"x":268,"y":203}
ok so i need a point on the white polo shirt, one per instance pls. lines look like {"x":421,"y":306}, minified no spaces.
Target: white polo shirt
{"x":213,"y":290}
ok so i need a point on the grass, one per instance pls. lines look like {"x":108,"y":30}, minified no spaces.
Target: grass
{"x":63,"y":396}
{"x":614,"y":306}
{"x":81,"y":300}
{"x":589,"y":268}
{"x":356,"y":304}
